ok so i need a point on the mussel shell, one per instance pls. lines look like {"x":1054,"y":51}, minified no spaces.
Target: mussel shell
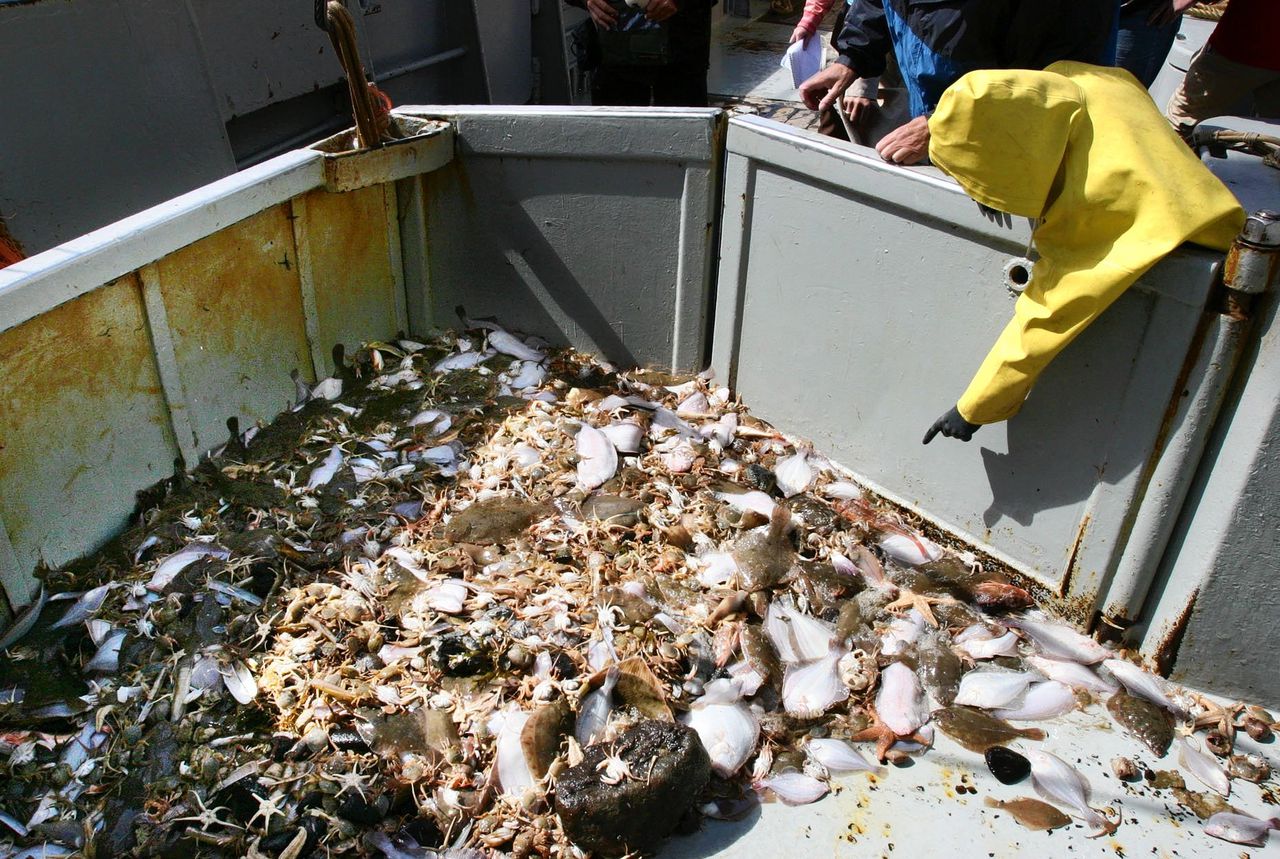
{"x":1006,"y":765}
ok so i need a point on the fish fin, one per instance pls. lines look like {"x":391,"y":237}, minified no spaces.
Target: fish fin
{"x":779,"y":522}
{"x":1109,"y":825}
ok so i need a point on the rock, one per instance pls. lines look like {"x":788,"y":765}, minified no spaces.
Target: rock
{"x":671,"y":769}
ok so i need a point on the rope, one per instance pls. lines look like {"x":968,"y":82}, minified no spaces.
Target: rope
{"x":1262,"y":145}
{"x":371,"y":119}
{"x":1208,"y":11}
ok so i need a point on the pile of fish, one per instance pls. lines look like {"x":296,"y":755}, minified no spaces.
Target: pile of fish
{"x":474,"y":596}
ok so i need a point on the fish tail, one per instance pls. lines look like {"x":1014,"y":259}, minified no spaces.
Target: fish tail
{"x":992,"y":802}
{"x":779,"y":522}
{"x":1031,"y":733}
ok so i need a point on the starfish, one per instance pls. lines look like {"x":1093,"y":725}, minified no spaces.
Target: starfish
{"x":208,"y":817}
{"x":1216,"y":716}
{"x":884,"y":737}
{"x":268,"y":807}
{"x":353,"y":780}
{"x":908,"y":599}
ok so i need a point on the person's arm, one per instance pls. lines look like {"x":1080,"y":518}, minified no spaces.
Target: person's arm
{"x":814,"y":12}
{"x":865,"y":31}
{"x":864,"y":41}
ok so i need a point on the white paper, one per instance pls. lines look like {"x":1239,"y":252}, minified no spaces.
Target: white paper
{"x":804,"y":59}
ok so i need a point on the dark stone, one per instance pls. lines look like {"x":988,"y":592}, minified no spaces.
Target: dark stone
{"x":1006,"y":765}
{"x":635,"y":814}
{"x":758,"y":477}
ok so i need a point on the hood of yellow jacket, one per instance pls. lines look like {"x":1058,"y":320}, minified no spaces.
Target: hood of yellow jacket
{"x":1003,"y":134}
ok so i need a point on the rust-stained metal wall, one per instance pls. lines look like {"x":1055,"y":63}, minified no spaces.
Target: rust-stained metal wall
{"x":129,"y":348}
{"x":233,"y":305}
{"x":85,"y":424}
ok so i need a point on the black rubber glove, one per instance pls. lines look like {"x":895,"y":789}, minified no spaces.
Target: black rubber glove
{"x":952,"y":426}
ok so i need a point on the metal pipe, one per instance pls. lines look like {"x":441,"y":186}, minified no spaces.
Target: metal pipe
{"x":1199,"y":402}
{"x":1249,"y":270}
{"x":419,"y":65}
{"x":302,"y":138}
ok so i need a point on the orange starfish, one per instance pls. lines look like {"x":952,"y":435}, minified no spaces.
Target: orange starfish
{"x":884,"y":737}
{"x":908,"y":599}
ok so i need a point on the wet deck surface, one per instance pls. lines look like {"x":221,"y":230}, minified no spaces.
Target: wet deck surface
{"x":918,"y":810}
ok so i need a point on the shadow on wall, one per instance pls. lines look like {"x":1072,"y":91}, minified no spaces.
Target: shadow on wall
{"x":554,"y":247}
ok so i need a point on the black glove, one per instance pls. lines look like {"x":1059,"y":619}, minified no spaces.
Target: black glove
{"x":952,"y":426}
{"x":997,"y":217}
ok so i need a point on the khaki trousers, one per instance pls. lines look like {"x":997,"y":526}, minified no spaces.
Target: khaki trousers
{"x":1216,"y":86}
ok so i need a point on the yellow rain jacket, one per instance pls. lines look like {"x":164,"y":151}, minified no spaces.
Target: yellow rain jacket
{"x":1084,"y":149}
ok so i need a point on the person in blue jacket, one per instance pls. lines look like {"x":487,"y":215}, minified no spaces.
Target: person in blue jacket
{"x":937,"y":41}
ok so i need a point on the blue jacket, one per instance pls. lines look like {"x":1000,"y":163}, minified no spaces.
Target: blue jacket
{"x":938,"y":41}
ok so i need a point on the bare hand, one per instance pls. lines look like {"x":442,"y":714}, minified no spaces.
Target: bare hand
{"x":1165,"y":13}
{"x":602,"y":13}
{"x":906,"y":144}
{"x":859,"y":109}
{"x":821,"y":91}
{"x":660,"y":10}
{"x":800,"y":34}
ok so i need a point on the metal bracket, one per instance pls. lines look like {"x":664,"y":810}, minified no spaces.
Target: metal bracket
{"x":1254,"y":257}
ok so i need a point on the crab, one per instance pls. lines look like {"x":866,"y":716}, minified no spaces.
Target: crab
{"x":614,"y":769}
